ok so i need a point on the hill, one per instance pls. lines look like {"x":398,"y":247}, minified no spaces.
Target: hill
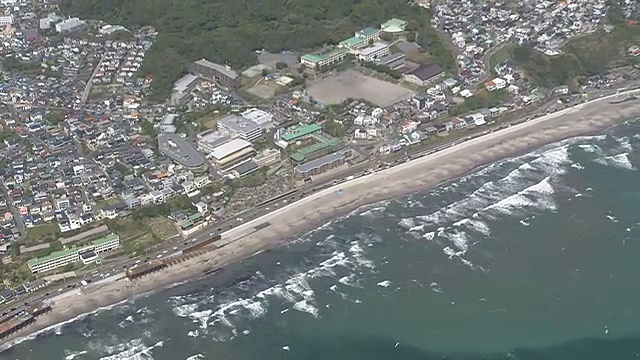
{"x":230,"y":30}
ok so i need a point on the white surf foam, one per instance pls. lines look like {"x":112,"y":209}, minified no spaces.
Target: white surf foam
{"x":620,"y":161}
{"x":135,"y":350}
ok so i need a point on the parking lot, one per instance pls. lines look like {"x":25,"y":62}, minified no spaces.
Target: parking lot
{"x":353,"y":85}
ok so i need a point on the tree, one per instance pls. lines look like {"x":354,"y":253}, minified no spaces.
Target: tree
{"x":411,"y":36}
{"x":386,"y":36}
{"x":281,"y":65}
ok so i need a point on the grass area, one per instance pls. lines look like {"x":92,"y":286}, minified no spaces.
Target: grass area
{"x":252,"y":180}
{"x":42,"y":233}
{"x":161,"y":227}
{"x":139,"y":235}
{"x":108,"y":202}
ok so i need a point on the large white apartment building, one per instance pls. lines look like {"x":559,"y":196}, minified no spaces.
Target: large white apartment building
{"x":6,"y":20}
{"x":65,"y":257}
{"x":373,"y":52}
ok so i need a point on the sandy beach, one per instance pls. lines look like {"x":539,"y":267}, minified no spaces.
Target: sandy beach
{"x":312,"y":211}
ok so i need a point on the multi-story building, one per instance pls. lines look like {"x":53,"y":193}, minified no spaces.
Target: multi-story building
{"x":223,"y":74}
{"x":322,"y":164}
{"x":260,"y":117}
{"x":65,"y":257}
{"x":316,"y":61}
{"x":360,"y":39}
{"x":232,"y":154}
{"x":393,"y":61}
{"x":69,"y":25}
{"x":241,"y":127}
{"x":182,"y":89}
{"x":373,"y":52}
{"x":369,"y":34}
{"x":394,"y":26}
{"x":6,"y":20}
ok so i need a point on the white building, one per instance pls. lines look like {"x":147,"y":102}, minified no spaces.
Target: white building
{"x":65,"y":257}
{"x":260,"y":117}
{"x":373,"y":52}
{"x":68,"y":25}
{"x":241,"y":127}
{"x":6,"y":20}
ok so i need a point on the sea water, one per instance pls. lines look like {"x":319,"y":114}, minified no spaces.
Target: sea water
{"x":533,"y":257}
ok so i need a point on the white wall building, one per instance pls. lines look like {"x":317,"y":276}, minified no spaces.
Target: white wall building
{"x":69,"y":25}
{"x":260,"y":117}
{"x":6,"y":20}
{"x":373,"y":52}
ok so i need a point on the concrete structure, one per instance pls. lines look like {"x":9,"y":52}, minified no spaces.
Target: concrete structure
{"x":394,"y":26}
{"x":267,"y":157}
{"x":182,"y":89}
{"x":231,"y":154}
{"x":6,"y":20}
{"x":65,"y":257}
{"x":294,"y":133}
{"x":259,"y":117}
{"x":322,"y":164}
{"x":180,"y":151}
{"x":223,"y":74}
{"x":316,"y":61}
{"x":393,"y":60}
{"x":373,"y":52}
{"x":211,"y":139}
{"x":240,"y":126}
{"x":424,"y":74}
{"x":245,"y":169}
{"x":69,"y":25}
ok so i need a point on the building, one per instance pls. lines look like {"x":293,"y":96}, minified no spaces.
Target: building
{"x":180,"y":151}
{"x":245,"y":169}
{"x":394,"y":26}
{"x":241,"y":127}
{"x":634,"y":51}
{"x":295,"y":133}
{"x":373,"y":52}
{"x":223,"y":74}
{"x":316,"y":61}
{"x":424,"y":74}
{"x":232,"y":154}
{"x":181,"y":93}
{"x":369,"y":34}
{"x":260,"y":117}
{"x":393,"y":61}
{"x":6,"y":20}
{"x":210,"y":139}
{"x":51,"y":18}
{"x":322,"y":164}
{"x":65,"y":257}
{"x":267,"y":157}
{"x":166,"y":125}
{"x":69,"y":25}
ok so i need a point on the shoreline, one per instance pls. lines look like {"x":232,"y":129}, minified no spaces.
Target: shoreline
{"x":415,"y":175}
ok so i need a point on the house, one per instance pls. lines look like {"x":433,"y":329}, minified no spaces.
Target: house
{"x":495,"y":84}
{"x":424,"y":74}
{"x":561,"y":90}
{"x":634,"y":51}
{"x":201,"y":207}
{"x":34,"y":285}
{"x":157,"y":197}
{"x":109,"y":212}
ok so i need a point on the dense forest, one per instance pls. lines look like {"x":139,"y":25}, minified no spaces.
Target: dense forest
{"x":230,"y":30}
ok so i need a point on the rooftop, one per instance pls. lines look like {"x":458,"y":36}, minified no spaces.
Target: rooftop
{"x":394,"y":25}
{"x":175,"y":147}
{"x":105,"y":239}
{"x":372,"y":49}
{"x":368,"y":31}
{"x":294,"y":133}
{"x":352,"y":41}
{"x":184,"y":83}
{"x":327,"y":159}
{"x":238,"y":123}
{"x":324,"y":56}
{"x":53,"y":255}
{"x":426,"y":72}
{"x":229,"y":148}
{"x":221,"y":68}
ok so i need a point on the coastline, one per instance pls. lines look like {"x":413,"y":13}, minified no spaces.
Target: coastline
{"x":406,"y":178}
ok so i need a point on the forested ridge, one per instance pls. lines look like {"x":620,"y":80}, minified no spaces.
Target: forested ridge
{"x":229,"y":30}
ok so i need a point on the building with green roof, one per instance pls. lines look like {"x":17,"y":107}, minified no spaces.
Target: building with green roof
{"x":394,"y":26}
{"x":62,"y":258}
{"x":314,"y":61}
{"x":300,"y":131}
{"x":353,"y":42}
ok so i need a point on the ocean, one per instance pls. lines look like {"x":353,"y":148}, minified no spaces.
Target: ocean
{"x":532,"y":257}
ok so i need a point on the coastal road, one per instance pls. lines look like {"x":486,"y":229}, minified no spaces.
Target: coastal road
{"x":250,"y":238}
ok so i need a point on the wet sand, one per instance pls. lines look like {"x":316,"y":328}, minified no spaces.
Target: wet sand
{"x":316,"y":209}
